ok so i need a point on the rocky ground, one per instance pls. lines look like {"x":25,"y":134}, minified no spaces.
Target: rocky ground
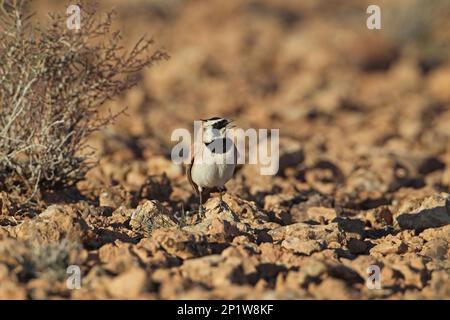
{"x":364,"y":177}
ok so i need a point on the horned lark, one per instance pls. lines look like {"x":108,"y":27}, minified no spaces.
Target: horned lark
{"x":213,"y":161}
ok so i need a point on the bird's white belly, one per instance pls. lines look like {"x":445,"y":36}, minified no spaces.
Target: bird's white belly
{"x":211,"y":175}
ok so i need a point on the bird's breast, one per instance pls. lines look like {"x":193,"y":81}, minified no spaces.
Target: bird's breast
{"x":211,"y":168}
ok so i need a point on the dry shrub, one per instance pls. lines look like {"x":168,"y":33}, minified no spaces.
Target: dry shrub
{"x":47,"y":261}
{"x":53,"y":82}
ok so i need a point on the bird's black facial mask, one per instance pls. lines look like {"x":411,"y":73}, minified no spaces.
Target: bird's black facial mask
{"x":215,"y":130}
{"x":220,"y":125}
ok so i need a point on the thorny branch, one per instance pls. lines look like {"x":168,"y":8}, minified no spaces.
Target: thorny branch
{"x":53,"y":82}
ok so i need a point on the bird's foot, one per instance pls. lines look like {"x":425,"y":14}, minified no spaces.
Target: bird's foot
{"x":201,"y":213}
{"x":223,"y":206}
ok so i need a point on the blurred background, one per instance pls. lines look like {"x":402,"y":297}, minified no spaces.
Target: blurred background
{"x":367,"y":110}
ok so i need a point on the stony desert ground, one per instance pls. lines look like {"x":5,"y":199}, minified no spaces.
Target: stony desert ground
{"x":364,"y":179}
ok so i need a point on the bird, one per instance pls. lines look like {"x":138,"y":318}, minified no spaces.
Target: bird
{"x":213,"y":162}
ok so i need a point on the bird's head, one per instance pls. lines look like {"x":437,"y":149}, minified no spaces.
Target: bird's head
{"x":214,"y":128}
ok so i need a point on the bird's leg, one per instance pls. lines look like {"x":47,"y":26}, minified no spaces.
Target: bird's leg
{"x":222,"y":204}
{"x":221,"y":195}
{"x":200,"y":208}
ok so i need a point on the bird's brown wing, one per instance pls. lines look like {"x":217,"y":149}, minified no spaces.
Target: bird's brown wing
{"x":188,"y":172}
{"x":205,"y":192}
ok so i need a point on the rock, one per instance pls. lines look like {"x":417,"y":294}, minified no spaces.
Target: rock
{"x":327,"y":233}
{"x":386,"y":248}
{"x":120,"y":216}
{"x":324,"y":177}
{"x":435,"y":248}
{"x":440,"y":284}
{"x":158,"y":187}
{"x":406,"y":270}
{"x":53,"y":225}
{"x":435,"y":264}
{"x":412,"y":277}
{"x":438,"y":84}
{"x":274,"y":201}
{"x":113,"y":197}
{"x":136,"y":177}
{"x":433,"y":212}
{"x":10,"y":290}
{"x":243,"y":210}
{"x":415,"y":261}
{"x":313,"y":268}
{"x":214,"y":270}
{"x":386,"y":216}
{"x":321,"y":214}
{"x":356,"y":246}
{"x":353,"y":227}
{"x":430,"y":234}
{"x":331,"y":288}
{"x":346,"y":273}
{"x":117,"y":257}
{"x":270,"y":252}
{"x":414,"y":244}
{"x":334,"y":245}
{"x":389,"y":245}
{"x":39,"y":289}
{"x":128,"y":285}
{"x":291,"y":153}
{"x":303,"y":247}
{"x":390,"y":277}
{"x":4,"y":272}
{"x":360,"y":264}
{"x":224,"y":227}
{"x":181,"y":243}
{"x":376,"y":53}
{"x":213,"y":210}
{"x":149,"y":216}
{"x":171,"y":283}
{"x":113,"y":169}
{"x":159,"y":165}
{"x":267,"y":271}
{"x":249,"y":262}
{"x":294,"y":280}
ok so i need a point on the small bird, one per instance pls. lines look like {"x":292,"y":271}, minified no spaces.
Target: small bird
{"x":213,"y":161}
